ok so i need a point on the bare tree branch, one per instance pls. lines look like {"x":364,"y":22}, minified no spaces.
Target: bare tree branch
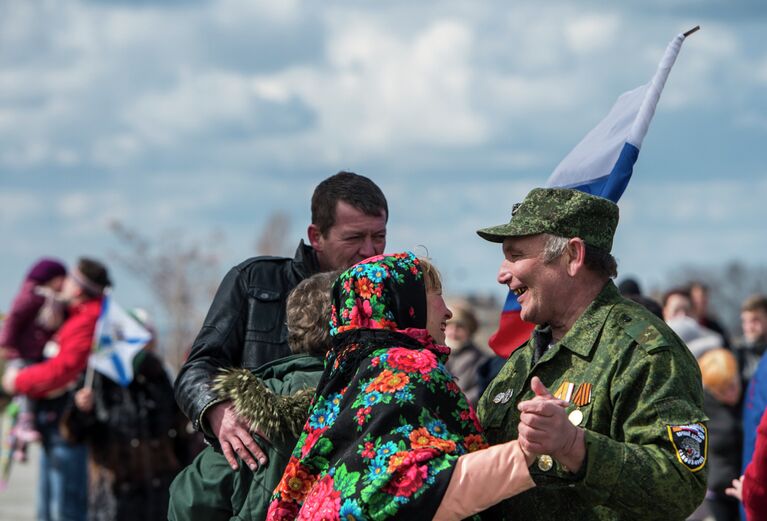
{"x":181,"y":276}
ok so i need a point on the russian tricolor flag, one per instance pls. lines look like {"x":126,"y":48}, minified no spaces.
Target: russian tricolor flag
{"x":512,"y":330}
{"x":601,"y":164}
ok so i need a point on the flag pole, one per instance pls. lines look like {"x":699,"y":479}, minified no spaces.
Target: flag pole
{"x":88,"y":384}
{"x":693,"y":30}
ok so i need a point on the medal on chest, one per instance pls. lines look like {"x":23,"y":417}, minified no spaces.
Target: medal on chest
{"x":579,"y":396}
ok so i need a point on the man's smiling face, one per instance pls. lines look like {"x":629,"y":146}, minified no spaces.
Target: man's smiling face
{"x":538,"y":285}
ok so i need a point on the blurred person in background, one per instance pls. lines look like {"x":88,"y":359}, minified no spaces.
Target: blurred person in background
{"x":754,"y":406}
{"x":751,"y":488}
{"x":749,"y":350}
{"x":466,"y":358}
{"x":629,"y":286}
{"x":630,"y":289}
{"x":697,"y":338}
{"x":676,"y":303}
{"x":35,"y":315}
{"x":62,"y":488}
{"x":700,"y":310}
{"x":721,"y":403}
{"x":245,"y":326}
{"x":132,"y":434}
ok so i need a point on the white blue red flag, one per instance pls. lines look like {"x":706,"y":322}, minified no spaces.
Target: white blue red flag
{"x":118,"y":339}
{"x":601,"y":164}
{"x":512,"y":330}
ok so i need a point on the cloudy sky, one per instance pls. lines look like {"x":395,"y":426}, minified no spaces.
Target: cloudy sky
{"x":197,"y":116}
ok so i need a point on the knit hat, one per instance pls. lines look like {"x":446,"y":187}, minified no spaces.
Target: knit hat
{"x":699,"y":339}
{"x":718,"y":369}
{"x":46,"y":269}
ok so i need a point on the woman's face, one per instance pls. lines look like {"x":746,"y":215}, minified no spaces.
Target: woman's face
{"x":437,"y":315}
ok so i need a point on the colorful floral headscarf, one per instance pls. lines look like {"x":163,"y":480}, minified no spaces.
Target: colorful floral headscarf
{"x":388,"y":422}
{"x":382,"y":292}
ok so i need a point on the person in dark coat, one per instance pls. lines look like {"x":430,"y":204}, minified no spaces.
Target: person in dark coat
{"x":133,"y":436}
{"x":245,"y":326}
{"x":721,"y":403}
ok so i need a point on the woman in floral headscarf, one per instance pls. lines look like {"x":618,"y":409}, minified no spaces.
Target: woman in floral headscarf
{"x":389,"y":434}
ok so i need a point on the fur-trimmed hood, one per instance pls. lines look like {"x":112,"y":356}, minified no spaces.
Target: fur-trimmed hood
{"x":273,"y":406}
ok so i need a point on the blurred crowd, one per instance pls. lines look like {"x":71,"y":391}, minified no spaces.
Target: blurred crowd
{"x":109,"y":449}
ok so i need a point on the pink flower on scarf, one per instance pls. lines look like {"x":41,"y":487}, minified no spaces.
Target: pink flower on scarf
{"x":410,"y":360}
{"x":406,"y":480}
{"x":361,"y":314}
{"x":323,"y":502}
{"x":282,"y":511}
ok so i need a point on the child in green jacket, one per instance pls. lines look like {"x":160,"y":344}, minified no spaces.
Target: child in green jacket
{"x":275,"y":400}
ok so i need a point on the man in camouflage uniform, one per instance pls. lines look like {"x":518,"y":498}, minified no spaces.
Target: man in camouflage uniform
{"x":630,"y":438}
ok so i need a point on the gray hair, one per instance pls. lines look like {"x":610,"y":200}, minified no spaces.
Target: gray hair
{"x":555,"y":246}
{"x":597,"y":260}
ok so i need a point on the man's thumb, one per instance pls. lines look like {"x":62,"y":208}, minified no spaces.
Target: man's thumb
{"x":539,"y":389}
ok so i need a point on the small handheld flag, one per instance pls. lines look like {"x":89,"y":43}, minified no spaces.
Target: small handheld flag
{"x":118,"y":339}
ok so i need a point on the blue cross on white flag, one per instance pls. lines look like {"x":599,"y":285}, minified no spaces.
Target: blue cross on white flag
{"x":602,"y":163}
{"x":118,"y":339}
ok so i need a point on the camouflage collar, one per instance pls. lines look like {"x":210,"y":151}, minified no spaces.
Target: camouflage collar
{"x":583,"y":335}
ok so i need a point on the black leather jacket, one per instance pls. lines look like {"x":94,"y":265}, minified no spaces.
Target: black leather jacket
{"x":245,"y":326}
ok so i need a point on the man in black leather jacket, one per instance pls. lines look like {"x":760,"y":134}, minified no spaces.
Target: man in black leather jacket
{"x":245,"y":326}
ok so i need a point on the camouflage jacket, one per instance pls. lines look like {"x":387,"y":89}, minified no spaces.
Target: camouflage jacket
{"x":637,"y":390}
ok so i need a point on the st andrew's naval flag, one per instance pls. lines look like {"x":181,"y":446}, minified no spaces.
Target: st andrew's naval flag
{"x":118,"y":339}
{"x":601,"y":164}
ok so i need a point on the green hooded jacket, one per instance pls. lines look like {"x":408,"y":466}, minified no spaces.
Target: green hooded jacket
{"x":270,"y":398}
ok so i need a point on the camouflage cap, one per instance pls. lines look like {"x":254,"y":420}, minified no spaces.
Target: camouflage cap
{"x":563,"y":212}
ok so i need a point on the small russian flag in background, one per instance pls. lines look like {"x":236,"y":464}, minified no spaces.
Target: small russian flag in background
{"x":512,"y":330}
{"x":601,"y":164}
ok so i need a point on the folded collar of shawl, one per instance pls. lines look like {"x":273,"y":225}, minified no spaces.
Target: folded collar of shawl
{"x":357,"y":344}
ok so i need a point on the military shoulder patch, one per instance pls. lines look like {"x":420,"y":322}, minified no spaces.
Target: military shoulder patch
{"x":644,"y":334}
{"x":690,"y":443}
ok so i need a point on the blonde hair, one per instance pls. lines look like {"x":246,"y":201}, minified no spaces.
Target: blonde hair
{"x":431,"y":277}
{"x":718,"y":368}
{"x":308,"y":314}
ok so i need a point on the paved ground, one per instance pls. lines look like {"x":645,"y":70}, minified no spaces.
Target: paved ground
{"x":17,"y":502}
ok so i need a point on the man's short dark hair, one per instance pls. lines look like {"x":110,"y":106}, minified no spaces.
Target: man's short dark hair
{"x":96,"y":276}
{"x":684,"y":292}
{"x":356,"y":190}
{"x":600,"y":261}
{"x":755,"y":303}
